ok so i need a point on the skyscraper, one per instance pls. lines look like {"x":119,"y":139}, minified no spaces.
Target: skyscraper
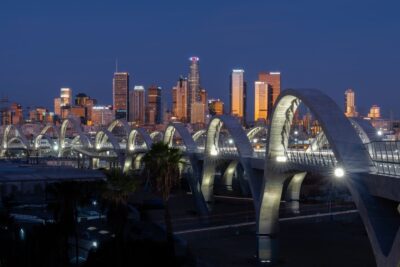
{"x":121,"y":95}
{"x":66,"y":97}
{"x":137,"y":105}
{"x":273,"y":79}
{"x":260,"y":101}
{"x":196,"y":95}
{"x":153,"y":108}
{"x":194,"y":82}
{"x":180,"y":109}
{"x":349,"y":104}
{"x":374,"y":112}
{"x":238,"y":94}
{"x":215,"y":107}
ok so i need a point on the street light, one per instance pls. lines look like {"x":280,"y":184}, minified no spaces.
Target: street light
{"x":281,"y":159}
{"x":339,"y":172}
{"x":380,"y":133}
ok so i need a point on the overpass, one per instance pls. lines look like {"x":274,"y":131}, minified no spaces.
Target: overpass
{"x":261,"y":160}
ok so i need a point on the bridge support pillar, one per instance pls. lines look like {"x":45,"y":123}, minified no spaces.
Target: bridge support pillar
{"x":381,"y":219}
{"x":207,"y":183}
{"x":268,"y":218}
{"x":292,"y":195}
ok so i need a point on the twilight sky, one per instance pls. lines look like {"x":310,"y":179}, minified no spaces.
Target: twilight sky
{"x":329,"y":45}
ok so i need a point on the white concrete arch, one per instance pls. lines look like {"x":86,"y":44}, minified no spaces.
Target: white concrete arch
{"x":123,"y":123}
{"x":17,"y":133}
{"x":103,"y":136}
{"x":133,"y":135}
{"x":351,"y":155}
{"x":187,"y":139}
{"x":198,"y":134}
{"x":254,"y":131}
{"x":44,"y":133}
{"x":19,"y":139}
{"x":155,"y":134}
{"x":75,"y":124}
{"x":245,"y":152}
{"x":239,"y":136}
{"x":365,"y":130}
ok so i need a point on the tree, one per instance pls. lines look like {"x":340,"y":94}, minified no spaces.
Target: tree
{"x":162,"y":166}
{"x":69,"y":195}
{"x":119,"y":187}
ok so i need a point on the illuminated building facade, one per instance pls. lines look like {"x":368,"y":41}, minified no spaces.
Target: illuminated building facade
{"x":374,"y":112}
{"x":273,"y":79}
{"x":238,"y":95}
{"x":349,"y":104}
{"x":137,"y":105}
{"x":180,"y":103}
{"x":215,"y":107}
{"x":121,"y":95}
{"x":260,"y":101}
{"x":153,"y":107}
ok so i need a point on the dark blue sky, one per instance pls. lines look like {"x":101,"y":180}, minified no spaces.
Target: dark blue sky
{"x":330,"y":45}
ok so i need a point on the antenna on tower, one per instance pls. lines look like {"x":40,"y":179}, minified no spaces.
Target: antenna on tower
{"x":116,"y":64}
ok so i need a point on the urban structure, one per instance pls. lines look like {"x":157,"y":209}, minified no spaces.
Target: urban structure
{"x":349,"y":104}
{"x":121,"y":95}
{"x":238,"y":95}
{"x":345,"y":148}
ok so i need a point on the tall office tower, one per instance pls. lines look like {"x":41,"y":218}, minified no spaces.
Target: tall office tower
{"x":194,"y":83}
{"x":374,"y":112}
{"x":66,"y":97}
{"x":153,"y":108}
{"x":180,"y":110}
{"x":137,"y":105}
{"x":57,"y":106}
{"x":273,"y":79}
{"x":121,"y":95}
{"x":349,"y":104}
{"x":238,"y":95}
{"x":215,"y":107}
{"x":174,"y":111}
{"x":260,"y":101}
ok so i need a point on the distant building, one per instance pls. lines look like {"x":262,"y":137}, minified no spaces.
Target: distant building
{"x":238,"y":95}
{"x":57,"y":106}
{"x":349,"y":104}
{"x":40,"y":115}
{"x":102,"y":115}
{"x":194,"y":83}
{"x":260,"y":101}
{"x":137,"y":105}
{"x":121,"y":95}
{"x":374,"y":112}
{"x":273,"y":79}
{"x":12,"y":115}
{"x":153,"y":108}
{"x":180,"y":100}
{"x":198,"y":111}
{"x":62,"y":104}
{"x":83,"y":105}
{"x":66,"y":97}
{"x":215,"y":107}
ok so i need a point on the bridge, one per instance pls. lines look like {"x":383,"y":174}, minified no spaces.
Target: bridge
{"x":259,"y":160}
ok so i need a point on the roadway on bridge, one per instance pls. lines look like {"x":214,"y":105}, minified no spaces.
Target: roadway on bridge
{"x":228,"y":237}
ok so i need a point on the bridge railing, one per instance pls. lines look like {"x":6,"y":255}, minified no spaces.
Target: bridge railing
{"x":314,"y":158}
{"x":385,"y":156}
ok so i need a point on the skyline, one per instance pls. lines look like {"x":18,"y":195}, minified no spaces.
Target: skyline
{"x":72,"y":45}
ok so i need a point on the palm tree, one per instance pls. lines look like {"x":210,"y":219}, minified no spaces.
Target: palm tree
{"x":119,"y":187}
{"x":116,"y":193}
{"x":69,"y":195}
{"x":162,"y":166}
